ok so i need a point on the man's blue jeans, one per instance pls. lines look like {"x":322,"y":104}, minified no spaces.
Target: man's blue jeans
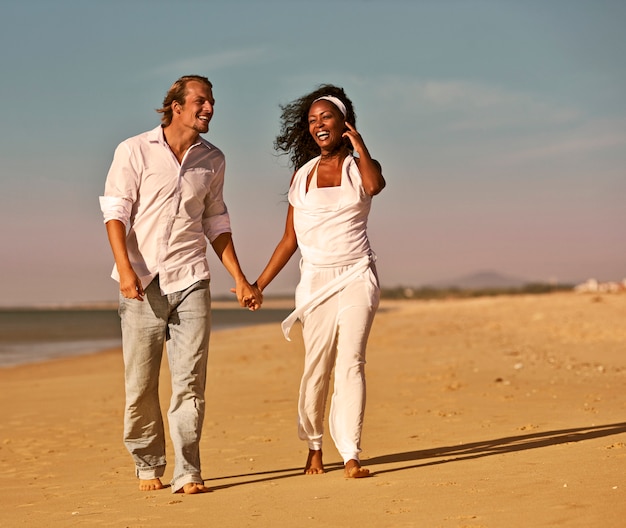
{"x":182,"y":321}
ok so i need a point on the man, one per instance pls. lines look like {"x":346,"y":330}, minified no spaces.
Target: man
{"x":162,"y":201}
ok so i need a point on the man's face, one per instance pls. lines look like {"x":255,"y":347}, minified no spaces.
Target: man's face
{"x":198,"y":108}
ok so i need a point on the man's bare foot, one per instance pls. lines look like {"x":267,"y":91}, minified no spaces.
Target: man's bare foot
{"x":354,"y":470}
{"x":192,"y":488}
{"x":150,"y":484}
{"x":314,"y":464}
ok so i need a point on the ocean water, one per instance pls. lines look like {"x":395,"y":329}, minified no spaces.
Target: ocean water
{"x":34,"y":335}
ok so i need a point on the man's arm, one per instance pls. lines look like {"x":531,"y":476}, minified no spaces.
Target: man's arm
{"x":247,"y":295}
{"x":130,"y":285}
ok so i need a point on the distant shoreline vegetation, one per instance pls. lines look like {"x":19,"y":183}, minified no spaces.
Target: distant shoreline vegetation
{"x":454,"y":292}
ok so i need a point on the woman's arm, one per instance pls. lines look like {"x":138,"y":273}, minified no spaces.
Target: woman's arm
{"x":283,"y":252}
{"x":370,"y":169}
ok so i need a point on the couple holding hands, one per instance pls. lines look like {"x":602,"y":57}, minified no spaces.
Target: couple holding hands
{"x":163,"y":200}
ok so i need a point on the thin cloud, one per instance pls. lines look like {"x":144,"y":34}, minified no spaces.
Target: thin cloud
{"x":467,"y":105}
{"x":213,"y":61}
{"x":590,"y":138}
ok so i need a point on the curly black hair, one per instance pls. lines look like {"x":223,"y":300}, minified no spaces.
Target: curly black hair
{"x":294,"y":138}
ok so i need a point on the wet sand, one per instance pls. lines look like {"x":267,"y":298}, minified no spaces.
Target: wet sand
{"x":489,"y":412}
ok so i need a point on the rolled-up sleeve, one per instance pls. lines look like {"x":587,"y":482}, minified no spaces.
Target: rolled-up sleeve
{"x":216,"y":219}
{"x":214,"y":226}
{"x":114,"y":208}
{"x":120,"y":191}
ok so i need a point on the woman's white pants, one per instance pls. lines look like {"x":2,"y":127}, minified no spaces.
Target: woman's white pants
{"x":335,"y":334}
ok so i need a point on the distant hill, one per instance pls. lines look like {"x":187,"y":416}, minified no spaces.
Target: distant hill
{"x":482,"y":279}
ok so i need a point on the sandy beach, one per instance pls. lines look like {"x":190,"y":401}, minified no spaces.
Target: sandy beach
{"x":489,"y":412}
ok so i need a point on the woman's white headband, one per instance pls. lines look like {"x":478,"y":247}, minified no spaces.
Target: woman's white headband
{"x":336,"y":101}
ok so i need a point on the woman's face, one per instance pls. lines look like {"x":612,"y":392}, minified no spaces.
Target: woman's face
{"x":326,"y":124}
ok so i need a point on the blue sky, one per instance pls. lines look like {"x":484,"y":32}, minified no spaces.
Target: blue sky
{"x":500,"y":125}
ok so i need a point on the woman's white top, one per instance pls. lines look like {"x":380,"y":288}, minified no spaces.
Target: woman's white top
{"x":331,"y":222}
{"x":331,"y":228}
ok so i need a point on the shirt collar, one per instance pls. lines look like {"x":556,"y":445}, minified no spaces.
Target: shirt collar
{"x":156,"y":135}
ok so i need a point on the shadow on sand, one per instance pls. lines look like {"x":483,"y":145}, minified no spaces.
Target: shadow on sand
{"x":443,"y":455}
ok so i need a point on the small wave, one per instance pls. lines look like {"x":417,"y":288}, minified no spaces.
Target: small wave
{"x":14,"y":354}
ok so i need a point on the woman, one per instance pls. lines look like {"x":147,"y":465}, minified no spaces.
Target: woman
{"x":338,"y":293}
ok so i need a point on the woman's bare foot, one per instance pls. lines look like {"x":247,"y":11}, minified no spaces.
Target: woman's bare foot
{"x":192,"y":488}
{"x":354,"y":470}
{"x":150,"y":484}
{"x":314,"y":464}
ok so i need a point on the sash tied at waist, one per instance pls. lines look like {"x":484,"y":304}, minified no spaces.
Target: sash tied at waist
{"x":328,"y":290}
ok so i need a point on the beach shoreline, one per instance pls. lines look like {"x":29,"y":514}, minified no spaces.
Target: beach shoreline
{"x":486,"y":412}
{"x":36,"y":334}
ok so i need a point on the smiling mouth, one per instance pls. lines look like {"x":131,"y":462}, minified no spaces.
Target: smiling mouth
{"x":323,"y":135}
{"x":204,"y":118}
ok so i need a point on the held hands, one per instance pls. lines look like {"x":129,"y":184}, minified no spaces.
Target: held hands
{"x":248,"y":295}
